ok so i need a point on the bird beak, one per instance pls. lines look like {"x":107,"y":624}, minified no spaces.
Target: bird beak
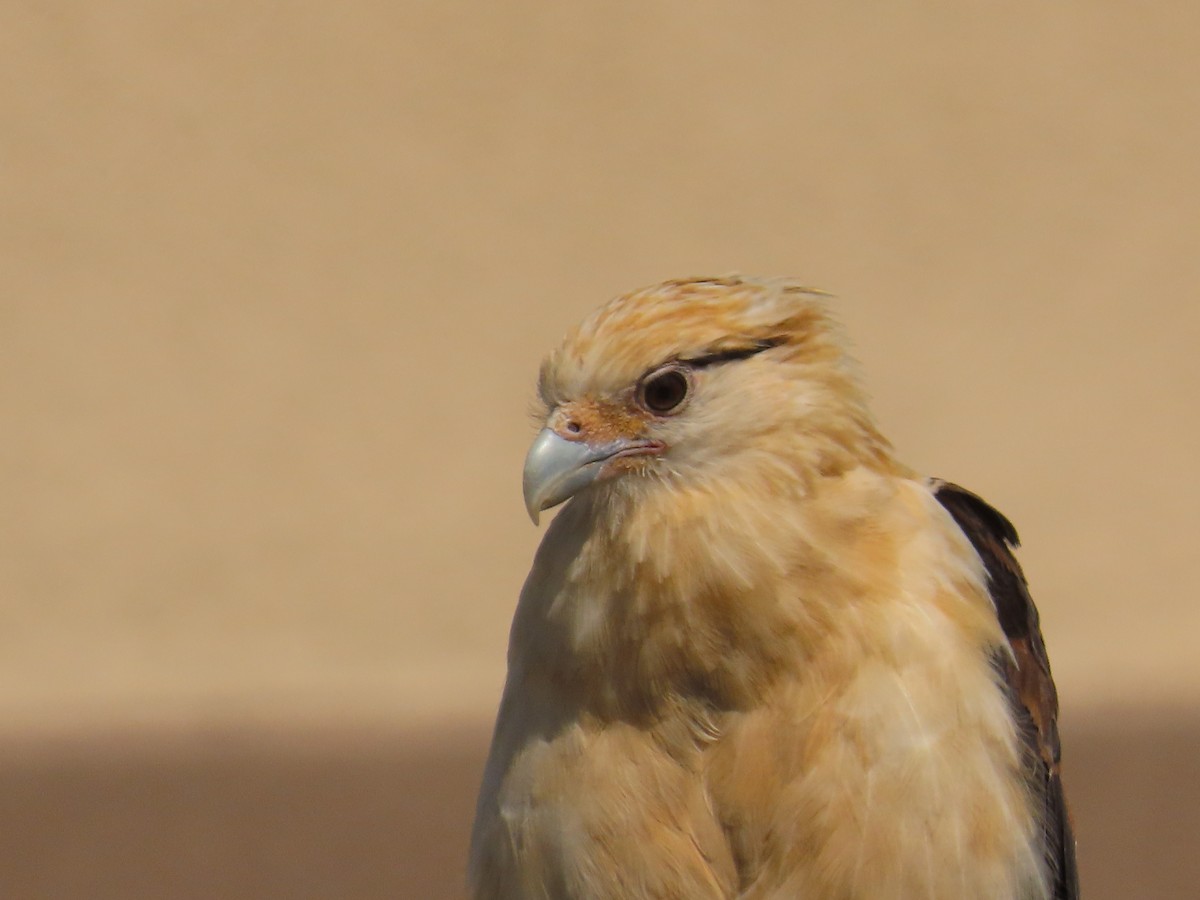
{"x":557,"y":469}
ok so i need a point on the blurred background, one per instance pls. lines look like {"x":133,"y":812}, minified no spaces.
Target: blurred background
{"x":274,"y":283}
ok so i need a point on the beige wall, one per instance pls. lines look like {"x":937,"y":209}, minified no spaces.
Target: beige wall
{"x":275,"y":279}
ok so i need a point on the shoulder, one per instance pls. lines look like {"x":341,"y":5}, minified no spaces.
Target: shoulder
{"x":1025,"y":670}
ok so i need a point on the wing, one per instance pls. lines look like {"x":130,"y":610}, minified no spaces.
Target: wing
{"x":1026,"y":672}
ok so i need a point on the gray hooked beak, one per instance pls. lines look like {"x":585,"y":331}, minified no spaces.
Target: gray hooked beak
{"x":557,"y":469}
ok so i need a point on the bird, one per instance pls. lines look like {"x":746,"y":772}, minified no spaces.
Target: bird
{"x":756,"y":656}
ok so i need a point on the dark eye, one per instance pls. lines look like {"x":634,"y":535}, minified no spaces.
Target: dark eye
{"x":664,"y":392}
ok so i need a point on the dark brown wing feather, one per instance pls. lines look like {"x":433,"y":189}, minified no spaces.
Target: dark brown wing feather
{"x":1026,"y":672}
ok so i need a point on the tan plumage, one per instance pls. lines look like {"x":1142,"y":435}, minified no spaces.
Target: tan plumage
{"x":756,"y":656}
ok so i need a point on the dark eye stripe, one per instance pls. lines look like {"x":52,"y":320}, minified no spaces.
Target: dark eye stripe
{"x":712,"y":359}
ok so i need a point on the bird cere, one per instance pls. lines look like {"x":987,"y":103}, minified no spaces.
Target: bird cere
{"x":756,"y":656}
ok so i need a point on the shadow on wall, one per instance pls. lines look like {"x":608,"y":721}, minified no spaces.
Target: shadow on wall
{"x":361,"y":815}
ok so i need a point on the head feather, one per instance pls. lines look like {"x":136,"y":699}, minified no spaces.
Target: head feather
{"x":686,"y":318}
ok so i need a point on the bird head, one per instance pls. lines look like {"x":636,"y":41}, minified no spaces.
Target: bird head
{"x":698,"y":381}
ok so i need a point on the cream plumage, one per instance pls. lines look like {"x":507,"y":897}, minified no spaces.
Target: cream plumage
{"x":757,"y":657}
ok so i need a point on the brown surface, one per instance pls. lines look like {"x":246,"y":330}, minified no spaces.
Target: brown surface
{"x":274,"y":282}
{"x":371,"y":814}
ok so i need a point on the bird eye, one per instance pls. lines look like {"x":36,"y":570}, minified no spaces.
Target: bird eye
{"x":665,"y":391}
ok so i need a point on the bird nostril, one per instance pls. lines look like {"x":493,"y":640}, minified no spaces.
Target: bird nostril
{"x":573,"y":426}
